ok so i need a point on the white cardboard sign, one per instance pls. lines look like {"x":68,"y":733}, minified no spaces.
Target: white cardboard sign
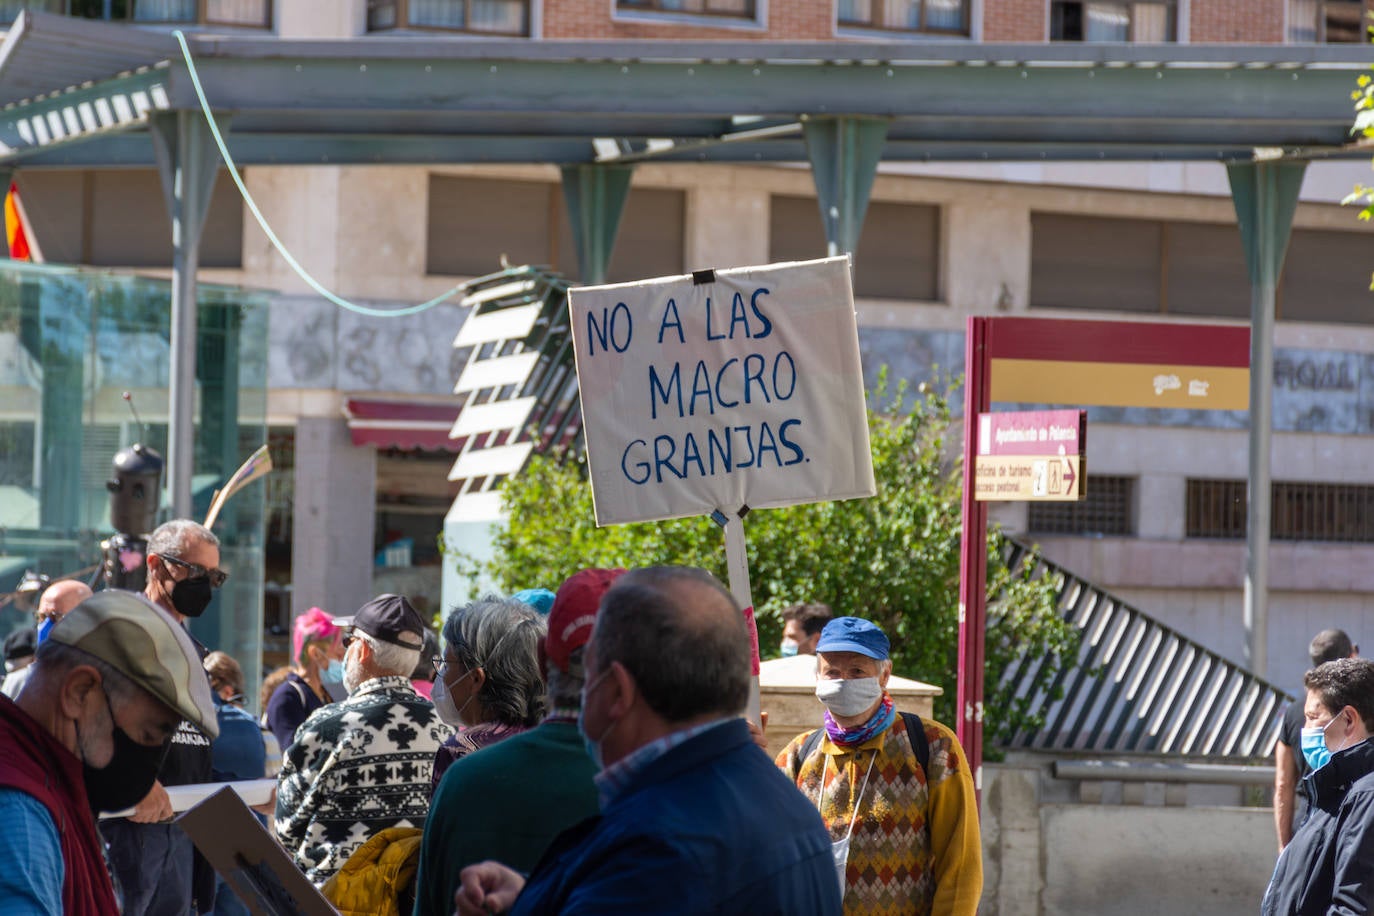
{"x":742,"y":391}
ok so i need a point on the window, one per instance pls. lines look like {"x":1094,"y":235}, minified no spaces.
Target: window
{"x":1091,"y":262}
{"x":118,"y":218}
{"x":899,"y":249}
{"x":1341,"y":513}
{"x":737,"y":9}
{"x":488,"y":17}
{"x":1326,"y":277}
{"x":1106,"y":509}
{"x":1185,"y":268}
{"x":475,"y":222}
{"x":940,"y":17}
{"x":1327,"y":21}
{"x":1087,"y":20}
{"x":251,"y":13}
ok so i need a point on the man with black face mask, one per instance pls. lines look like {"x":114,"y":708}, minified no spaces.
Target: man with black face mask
{"x":153,"y":860}
{"x":86,"y":734}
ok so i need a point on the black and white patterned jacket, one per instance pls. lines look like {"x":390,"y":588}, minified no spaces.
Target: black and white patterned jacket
{"x":357,"y":767}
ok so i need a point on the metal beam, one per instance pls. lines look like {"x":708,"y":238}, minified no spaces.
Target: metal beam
{"x":595,"y":195}
{"x":1265,"y":195}
{"x":844,"y":154}
{"x":187,"y":160}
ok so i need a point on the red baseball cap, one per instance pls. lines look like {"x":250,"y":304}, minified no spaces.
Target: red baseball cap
{"x":573,"y":614}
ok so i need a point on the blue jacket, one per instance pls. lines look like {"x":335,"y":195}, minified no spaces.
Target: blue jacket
{"x":238,"y":752}
{"x":712,"y":826}
{"x":1328,"y":867}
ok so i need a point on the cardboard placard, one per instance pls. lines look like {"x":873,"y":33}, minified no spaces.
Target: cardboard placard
{"x":722,"y":389}
{"x":255,"y":866}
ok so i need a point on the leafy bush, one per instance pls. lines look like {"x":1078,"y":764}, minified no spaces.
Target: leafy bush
{"x":893,"y":559}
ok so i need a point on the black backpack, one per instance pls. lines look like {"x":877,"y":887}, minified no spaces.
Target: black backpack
{"x":915,"y":729}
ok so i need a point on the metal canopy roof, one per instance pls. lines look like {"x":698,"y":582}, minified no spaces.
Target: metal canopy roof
{"x":77,"y":93}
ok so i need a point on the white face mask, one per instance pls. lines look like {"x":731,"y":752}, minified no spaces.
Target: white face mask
{"x":443,"y":702}
{"x":849,"y":696}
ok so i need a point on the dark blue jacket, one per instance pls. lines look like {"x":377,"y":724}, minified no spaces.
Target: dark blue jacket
{"x":712,"y":826}
{"x":1328,"y":867}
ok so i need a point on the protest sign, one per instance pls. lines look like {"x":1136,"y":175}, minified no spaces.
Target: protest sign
{"x":721,"y":390}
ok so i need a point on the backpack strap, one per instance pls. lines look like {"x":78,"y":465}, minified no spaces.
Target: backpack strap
{"x":915,"y":730}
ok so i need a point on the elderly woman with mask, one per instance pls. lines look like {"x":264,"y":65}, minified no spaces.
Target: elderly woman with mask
{"x":316,"y":662}
{"x":488,"y":683}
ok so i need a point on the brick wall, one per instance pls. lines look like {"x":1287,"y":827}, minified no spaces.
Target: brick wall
{"x":1242,"y":21}
{"x":806,"y":20}
{"x":1015,"y":20}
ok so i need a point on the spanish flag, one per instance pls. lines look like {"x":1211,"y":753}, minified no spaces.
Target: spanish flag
{"x":17,"y":228}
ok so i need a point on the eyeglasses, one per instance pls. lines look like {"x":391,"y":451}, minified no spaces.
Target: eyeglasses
{"x":216,"y":576}
{"x":348,"y":637}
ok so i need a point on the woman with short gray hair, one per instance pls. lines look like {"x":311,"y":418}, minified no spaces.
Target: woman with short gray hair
{"x":488,"y":684}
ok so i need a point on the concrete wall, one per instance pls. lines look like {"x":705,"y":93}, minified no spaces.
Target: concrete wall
{"x":335,"y":509}
{"x":1046,"y":852}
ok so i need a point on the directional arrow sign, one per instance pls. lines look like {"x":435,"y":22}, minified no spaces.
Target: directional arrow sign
{"x":1031,"y":455}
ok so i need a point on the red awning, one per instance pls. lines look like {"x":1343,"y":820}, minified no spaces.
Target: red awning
{"x":402,"y":424}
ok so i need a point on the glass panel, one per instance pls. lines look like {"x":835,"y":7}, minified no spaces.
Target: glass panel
{"x":1302,"y":21}
{"x":238,"y":12}
{"x":1150,"y":22}
{"x":442,"y":14}
{"x":1106,"y":22}
{"x":902,"y":14}
{"x":945,"y":15}
{"x":71,"y":342}
{"x":1343,"y":22}
{"x":505,"y":16}
{"x":855,"y":11}
{"x":381,"y":14}
{"x":165,"y":10}
{"x":9,"y":9}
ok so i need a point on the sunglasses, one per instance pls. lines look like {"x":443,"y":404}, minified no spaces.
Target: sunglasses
{"x":216,"y":576}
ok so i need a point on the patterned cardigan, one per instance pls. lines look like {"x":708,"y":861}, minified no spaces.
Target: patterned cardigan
{"x":916,"y":849}
{"x":357,"y":767}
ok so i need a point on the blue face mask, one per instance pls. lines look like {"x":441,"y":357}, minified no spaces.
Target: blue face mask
{"x":593,"y":746}
{"x":334,"y":674}
{"x":789,"y":648}
{"x":1314,"y":749}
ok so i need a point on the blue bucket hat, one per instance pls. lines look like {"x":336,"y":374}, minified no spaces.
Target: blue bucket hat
{"x":854,"y":634}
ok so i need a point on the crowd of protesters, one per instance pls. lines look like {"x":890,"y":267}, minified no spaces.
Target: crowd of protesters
{"x":580,"y":751}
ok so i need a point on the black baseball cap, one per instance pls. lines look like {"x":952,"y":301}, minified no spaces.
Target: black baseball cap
{"x":389,"y":618}
{"x":21,"y":644}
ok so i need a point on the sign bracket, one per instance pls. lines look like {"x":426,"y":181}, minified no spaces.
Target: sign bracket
{"x":737,"y":566}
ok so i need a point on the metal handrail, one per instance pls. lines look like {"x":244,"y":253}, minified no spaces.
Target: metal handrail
{"x":1137,"y":685}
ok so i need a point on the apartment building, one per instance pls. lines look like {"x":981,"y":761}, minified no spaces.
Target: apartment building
{"x":356,"y":407}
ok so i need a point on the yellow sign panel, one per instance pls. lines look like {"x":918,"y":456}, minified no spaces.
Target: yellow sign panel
{"x":1030,"y":478}
{"x":1040,"y":381}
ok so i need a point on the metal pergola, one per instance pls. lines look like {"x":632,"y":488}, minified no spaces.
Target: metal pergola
{"x":90,"y":94}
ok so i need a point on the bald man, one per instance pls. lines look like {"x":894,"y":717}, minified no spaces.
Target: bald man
{"x":57,"y":600}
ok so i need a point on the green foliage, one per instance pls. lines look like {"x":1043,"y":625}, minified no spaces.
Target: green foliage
{"x":1363,"y":97}
{"x":893,"y":559}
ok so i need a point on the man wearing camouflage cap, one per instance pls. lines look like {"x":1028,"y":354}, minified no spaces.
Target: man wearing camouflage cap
{"x":87,"y":733}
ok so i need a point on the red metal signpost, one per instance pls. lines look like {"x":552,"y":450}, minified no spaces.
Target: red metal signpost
{"x":1051,"y":361}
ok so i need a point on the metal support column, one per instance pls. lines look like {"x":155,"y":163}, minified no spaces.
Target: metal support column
{"x":844,"y":153}
{"x":1265,"y":195}
{"x":595,"y":195}
{"x":187,"y":160}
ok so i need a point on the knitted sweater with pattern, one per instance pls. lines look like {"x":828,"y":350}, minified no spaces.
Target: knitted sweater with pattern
{"x":915,"y":848}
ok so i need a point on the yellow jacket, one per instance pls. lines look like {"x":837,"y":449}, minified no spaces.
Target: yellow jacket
{"x":373,"y":880}
{"x":916,"y":849}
